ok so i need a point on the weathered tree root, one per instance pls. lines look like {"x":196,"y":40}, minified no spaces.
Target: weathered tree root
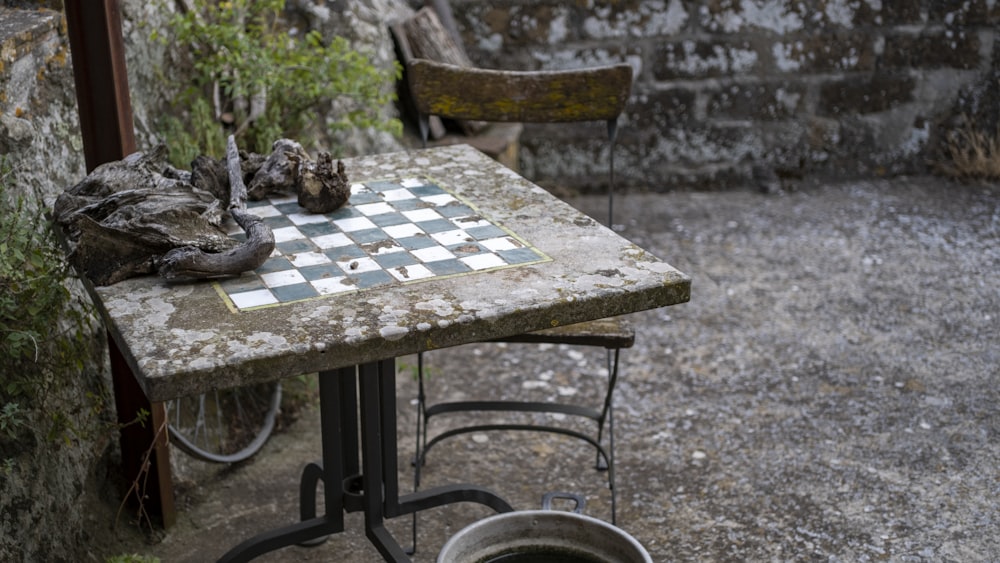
{"x":190,"y":262}
{"x":139,"y":216}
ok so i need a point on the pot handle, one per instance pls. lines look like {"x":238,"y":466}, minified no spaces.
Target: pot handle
{"x":547,"y":498}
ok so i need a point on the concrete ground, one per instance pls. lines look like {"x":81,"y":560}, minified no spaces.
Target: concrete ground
{"x":830,"y":393}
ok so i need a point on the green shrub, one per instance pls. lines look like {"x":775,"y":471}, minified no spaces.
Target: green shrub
{"x":45,"y":333}
{"x":263,"y":83}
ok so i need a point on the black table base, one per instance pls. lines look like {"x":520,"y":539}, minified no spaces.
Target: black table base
{"x":352,"y":483}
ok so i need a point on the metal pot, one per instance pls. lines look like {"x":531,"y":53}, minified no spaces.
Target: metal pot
{"x":543,"y":535}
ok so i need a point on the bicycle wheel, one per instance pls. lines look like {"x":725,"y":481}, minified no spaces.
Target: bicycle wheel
{"x":224,"y":426}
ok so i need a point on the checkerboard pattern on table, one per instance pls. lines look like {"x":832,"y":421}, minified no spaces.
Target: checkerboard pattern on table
{"x":392,"y":232}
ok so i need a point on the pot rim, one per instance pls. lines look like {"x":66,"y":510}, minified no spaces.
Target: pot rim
{"x":525,"y":520}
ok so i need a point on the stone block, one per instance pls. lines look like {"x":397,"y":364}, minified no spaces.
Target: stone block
{"x":733,"y":16}
{"x":759,"y":101}
{"x":826,"y":51}
{"x":704,"y":59}
{"x":503,"y":25}
{"x":617,"y":19}
{"x":949,"y":48}
{"x":964,"y":12}
{"x":899,"y":12}
{"x":865,"y":94}
{"x":662,"y":109}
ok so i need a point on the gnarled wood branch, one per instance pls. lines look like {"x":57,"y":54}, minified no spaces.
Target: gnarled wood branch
{"x":190,"y":262}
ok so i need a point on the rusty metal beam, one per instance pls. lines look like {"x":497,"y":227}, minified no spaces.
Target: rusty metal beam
{"x":98,"y":55}
{"x":95,"y":38}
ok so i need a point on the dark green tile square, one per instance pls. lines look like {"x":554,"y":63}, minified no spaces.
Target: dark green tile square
{"x":318,"y":229}
{"x":345,"y":253}
{"x":417,"y":242}
{"x":396,"y":259}
{"x":296,"y":246}
{"x":519,"y":255}
{"x":321,"y":271}
{"x":488,"y":232}
{"x":375,"y":278}
{"x":275,"y":264}
{"x":447,"y":267}
{"x":294,"y":292}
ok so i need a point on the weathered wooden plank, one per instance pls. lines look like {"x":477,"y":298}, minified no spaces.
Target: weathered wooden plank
{"x":447,"y":90}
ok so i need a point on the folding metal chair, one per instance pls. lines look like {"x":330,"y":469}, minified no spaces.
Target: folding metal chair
{"x":468,"y":93}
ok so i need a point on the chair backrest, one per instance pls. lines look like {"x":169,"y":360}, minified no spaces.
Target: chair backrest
{"x":457,"y":92}
{"x":469,"y":93}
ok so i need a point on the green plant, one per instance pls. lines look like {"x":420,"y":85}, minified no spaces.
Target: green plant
{"x":970,"y":152}
{"x":254,"y":79}
{"x":11,"y":418}
{"x":43,"y":328}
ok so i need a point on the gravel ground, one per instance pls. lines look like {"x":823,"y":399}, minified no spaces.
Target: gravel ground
{"x":830,"y":393}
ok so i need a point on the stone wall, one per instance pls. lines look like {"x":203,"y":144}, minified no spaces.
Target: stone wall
{"x":39,"y":128}
{"x":833,"y":87}
{"x":46,"y":482}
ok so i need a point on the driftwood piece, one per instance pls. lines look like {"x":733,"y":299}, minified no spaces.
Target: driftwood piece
{"x":191,"y":262}
{"x":277,"y":172}
{"x":321,"y":188}
{"x":139,"y":216}
{"x":212,"y":175}
{"x":126,"y":212}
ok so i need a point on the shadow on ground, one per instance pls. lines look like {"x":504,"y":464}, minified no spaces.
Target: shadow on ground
{"x":829,"y":393}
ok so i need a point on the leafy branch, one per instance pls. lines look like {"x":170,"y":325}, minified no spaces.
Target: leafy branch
{"x":254,"y":79}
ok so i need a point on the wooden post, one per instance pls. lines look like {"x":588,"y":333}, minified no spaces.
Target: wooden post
{"x":98,"y":55}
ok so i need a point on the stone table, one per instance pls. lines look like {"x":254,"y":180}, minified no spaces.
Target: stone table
{"x":520,"y":260}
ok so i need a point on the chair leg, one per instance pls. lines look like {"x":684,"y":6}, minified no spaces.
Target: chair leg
{"x":605,"y":424}
{"x":608,"y":420}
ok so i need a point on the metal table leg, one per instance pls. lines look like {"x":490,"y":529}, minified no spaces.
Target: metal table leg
{"x":338,"y":428}
{"x":375,"y":490}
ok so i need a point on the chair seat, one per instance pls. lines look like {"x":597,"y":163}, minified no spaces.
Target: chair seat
{"x":610,"y":333}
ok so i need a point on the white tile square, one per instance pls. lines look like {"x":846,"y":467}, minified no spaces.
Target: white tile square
{"x":411,"y":272}
{"x":369,"y":209}
{"x":354,"y":224}
{"x":253,"y":298}
{"x":359,"y":188}
{"x":448,"y":238}
{"x":468,"y":222}
{"x":378,"y":249}
{"x":501,"y":243}
{"x":303,"y":259}
{"x":483,"y":261}
{"x":331,"y":286}
{"x":397,"y":195}
{"x":412,"y":182}
{"x":359,"y":265}
{"x":264,"y":211}
{"x":282,"y":278}
{"x":306,"y":218}
{"x":418,"y":215}
{"x":283,"y":197}
{"x":403,"y":231}
{"x":334,"y":240}
{"x":432,"y":254}
{"x":440,"y":199}
{"x":285,"y":234}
